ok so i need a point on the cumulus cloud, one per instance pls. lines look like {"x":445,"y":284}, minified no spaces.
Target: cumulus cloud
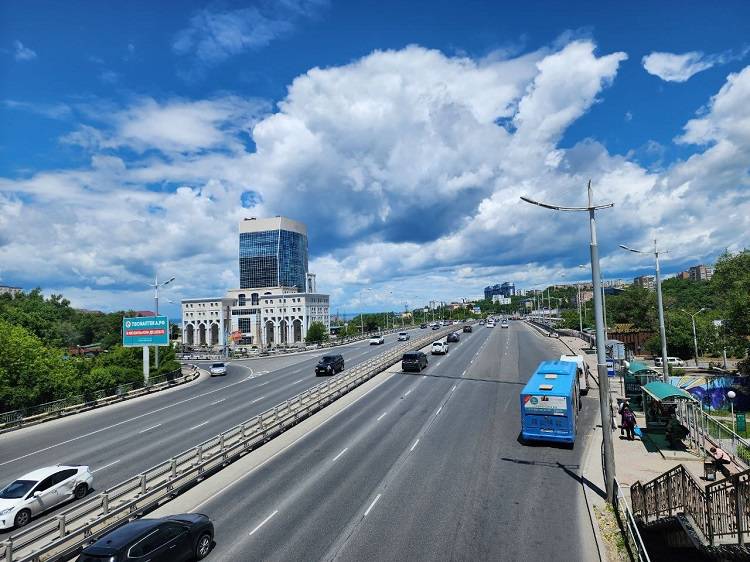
{"x":673,"y":67}
{"x":21,"y":52}
{"x":407,"y":166}
{"x":213,"y":35}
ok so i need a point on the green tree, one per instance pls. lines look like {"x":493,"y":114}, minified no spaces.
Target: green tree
{"x":316,"y":333}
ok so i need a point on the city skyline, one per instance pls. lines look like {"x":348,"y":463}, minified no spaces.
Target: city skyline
{"x":403,"y":148}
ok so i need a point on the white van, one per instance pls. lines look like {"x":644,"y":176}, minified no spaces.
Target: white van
{"x":583,"y":371}
{"x":674,"y":361}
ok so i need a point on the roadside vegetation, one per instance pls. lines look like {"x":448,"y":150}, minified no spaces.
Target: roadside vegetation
{"x":40,"y":357}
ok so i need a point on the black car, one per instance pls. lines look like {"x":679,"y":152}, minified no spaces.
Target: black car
{"x":453,"y":337}
{"x":413,"y":361}
{"x":188,"y":536}
{"x":467,"y":329}
{"x":423,"y":326}
{"x":329,"y":365}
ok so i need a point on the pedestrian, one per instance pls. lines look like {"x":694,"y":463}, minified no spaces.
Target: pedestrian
{"x":621,"y":410}
{"x":628,"y":418}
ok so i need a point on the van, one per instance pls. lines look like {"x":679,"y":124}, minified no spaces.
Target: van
{"x":581,"y":368}
{"x":674,"y":361}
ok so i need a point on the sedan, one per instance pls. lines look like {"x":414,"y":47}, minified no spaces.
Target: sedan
{"x":175,"y":538}
{"x":403,"y":336}
{"x":377,"y":340}
{"x":40,"y":491}
{"x":454,"y":337}
{"x":218,"y":369}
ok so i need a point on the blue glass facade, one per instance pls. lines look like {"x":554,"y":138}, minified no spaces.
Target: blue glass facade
{"x":273,"y":258}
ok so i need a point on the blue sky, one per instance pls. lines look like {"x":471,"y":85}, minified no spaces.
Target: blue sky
{"x":402,"y":133}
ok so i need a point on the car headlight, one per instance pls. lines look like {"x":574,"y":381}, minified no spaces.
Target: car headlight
{"x":6,"y":511}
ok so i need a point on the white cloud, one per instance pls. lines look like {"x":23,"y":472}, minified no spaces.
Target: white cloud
{"x":216,"y":35}
{"x":673,"y":67}
{"x":406,"y":165}
{"x":21,"y":52}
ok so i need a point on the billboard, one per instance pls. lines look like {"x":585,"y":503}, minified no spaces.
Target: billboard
{"x":149,"y":330}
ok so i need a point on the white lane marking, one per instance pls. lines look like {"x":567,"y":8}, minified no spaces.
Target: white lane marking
{"x":381,"y":416}
{"x":262,"y":384}
{"x":266,"y":520}
{"x":105,"y":466}
{"x":217,"y":402}
{"x":299,"y":381}
{"x":464,"y":373}
{"x":341,"y":453}
{"x":414,"y":446}
{"x":408,"y":392}
{"x":199,"y":425}
{"x":438,"y":410}
{"x":121,"y":423}
{"x":454,"y":388}
{"x":372,"y":504}
{"x":150,"y":428}
{"x":257,"y":399}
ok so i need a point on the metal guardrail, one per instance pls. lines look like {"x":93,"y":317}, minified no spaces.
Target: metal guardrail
{"x":93,"y":517}
{"x":629,"y":528}
{"x":63,"y":406}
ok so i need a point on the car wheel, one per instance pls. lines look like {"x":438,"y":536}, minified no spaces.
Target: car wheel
{"x":203,"y":546}
{"x":80,"y":491}
{"x":22,"y":518}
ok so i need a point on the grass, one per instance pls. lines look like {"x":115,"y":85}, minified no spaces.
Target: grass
{"x":610,"y":531}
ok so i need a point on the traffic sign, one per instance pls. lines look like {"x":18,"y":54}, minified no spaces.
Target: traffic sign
{"x":143,"y":331}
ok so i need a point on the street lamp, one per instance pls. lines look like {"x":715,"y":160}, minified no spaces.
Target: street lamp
{"x":361,"y":313}
{"x":732,"y":395}
{"x":695,"y":336}
{"x":660,"y":305}
{"x":580,"y":307}
{"x":601,"y":358}
{"x":156,"y":286}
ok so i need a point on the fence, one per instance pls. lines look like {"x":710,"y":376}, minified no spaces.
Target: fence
{"x":95,"y":516}
{"x":706,"y":428}
{"x":75,"y":403}
{"x":629,"y":528}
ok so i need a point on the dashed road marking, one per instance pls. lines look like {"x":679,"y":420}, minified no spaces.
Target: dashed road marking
{"x":381,"y":416}
{"x":257,"y":399}
{"x":372,"y":504}
{"x":199,"y":425}
{"x":414,"y":446}
{"x":341,"y":453}
{"x":266,"y":520}
{"x":150,"y":428}
{"x":106,"y":466}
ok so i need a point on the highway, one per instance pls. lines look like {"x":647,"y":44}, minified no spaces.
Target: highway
{"x":121,"y":440}
{"x":424,"y":467}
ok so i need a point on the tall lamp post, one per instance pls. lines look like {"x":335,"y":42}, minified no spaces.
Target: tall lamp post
{"x":660,"y":306}
{"x":695,"y":335}
{"x":732,"y":395}
{"x":155,"y":285}
{"x":601,"y":358}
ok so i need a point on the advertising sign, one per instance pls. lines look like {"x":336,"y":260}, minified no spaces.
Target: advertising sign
{"x":148,"y":330}
{"x":741,"y":423}
{"x":554,"y":405}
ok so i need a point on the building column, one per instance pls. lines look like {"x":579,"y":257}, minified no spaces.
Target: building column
{"x":184,"y":332}
{"x":222,"y":336}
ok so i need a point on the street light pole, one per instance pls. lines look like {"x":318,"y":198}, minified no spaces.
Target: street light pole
{"x":660,"y":306}
{"x":361,"y":311}
{"x":604,"y":398}
{"x":156,"y":286}
{"x":695,"y":336}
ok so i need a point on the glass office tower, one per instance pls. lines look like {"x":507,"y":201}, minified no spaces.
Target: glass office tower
{"x":273,"y":253}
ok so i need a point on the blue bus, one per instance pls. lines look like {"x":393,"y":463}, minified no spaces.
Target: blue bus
{"x":550,"y":402}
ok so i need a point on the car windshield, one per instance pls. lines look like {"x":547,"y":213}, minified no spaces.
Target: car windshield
{"x":411,"y":356}
{"x":328,"y":359}
{"x":217,"y":365}
{"x":17,"y":489}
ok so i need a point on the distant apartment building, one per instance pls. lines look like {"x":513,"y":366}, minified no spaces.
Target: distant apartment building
{"x":12,"y":291}
{"x":701,"y":272}
{"x":500,"y":299}
{"x":683,"y":275}
{"x":645,"y":282}
{"x":586,"y":296}
{"x":506,"y":289}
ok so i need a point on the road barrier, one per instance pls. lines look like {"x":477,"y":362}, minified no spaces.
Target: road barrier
{"x":74,"y":404}
{"x":87,"y":520}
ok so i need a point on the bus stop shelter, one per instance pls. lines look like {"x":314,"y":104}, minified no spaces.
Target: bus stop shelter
{"x":637,"y":375}
{"x":659,"y":401}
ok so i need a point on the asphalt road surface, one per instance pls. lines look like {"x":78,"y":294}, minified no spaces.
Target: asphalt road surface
{"x":425,"y":467}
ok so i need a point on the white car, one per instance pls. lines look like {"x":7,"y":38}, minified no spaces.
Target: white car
{"x":504,"y":324}
{"x":218,"y":369}
{"x":403,"y":336}
{"x":490,"y":324}
{"x":439,"y":348}
{"x":41,"y":490}
{"x":377,"y":340}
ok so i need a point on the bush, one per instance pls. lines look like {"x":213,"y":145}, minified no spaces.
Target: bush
{"x":316,"y":333}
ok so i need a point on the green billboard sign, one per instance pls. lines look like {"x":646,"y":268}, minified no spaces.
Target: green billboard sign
{"x":741,"y":423}
{"x":147,"y":330}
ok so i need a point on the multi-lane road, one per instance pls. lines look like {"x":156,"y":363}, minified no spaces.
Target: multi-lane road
{"x":423,"y":467}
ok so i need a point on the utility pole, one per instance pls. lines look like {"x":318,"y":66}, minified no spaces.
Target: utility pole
{"x":601,"y":359}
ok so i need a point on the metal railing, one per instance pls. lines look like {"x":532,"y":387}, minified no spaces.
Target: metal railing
{"x":74,"y":403}
{"x":706,"y":428}
{"x":629,"y":527}
{"x":93,"y":517}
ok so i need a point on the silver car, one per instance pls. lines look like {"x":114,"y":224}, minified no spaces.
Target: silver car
{"x":40,"y":491}
{"x":218,"y":369}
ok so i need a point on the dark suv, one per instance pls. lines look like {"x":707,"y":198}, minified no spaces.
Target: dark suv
{"x":453,"y":337}
{"x":413,"y":361}
{"x":329,"y":365}
{"x":188,"y":536}
{"x":467,"y":329}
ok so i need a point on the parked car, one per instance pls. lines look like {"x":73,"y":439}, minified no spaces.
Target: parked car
{"x":439,"y":348}
{"x":175,"y":538}
{"x":413,"y":361}
{"x":403,"y":336}
{"x":377,"y":340}
{"x":423,"y":326}
{"x":674,"y":361}
{"x":218,"y":369}
{"x":329,"y":365}
{"x":467,"y":329}
{"x":453,"y":337}
{"x":40,"y":491}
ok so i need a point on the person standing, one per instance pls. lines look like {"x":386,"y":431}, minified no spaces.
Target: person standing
{"x":628,"y":421}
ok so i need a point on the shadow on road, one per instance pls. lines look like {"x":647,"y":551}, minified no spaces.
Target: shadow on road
{"x":456,"y":377}
{"x":567,"y":469}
